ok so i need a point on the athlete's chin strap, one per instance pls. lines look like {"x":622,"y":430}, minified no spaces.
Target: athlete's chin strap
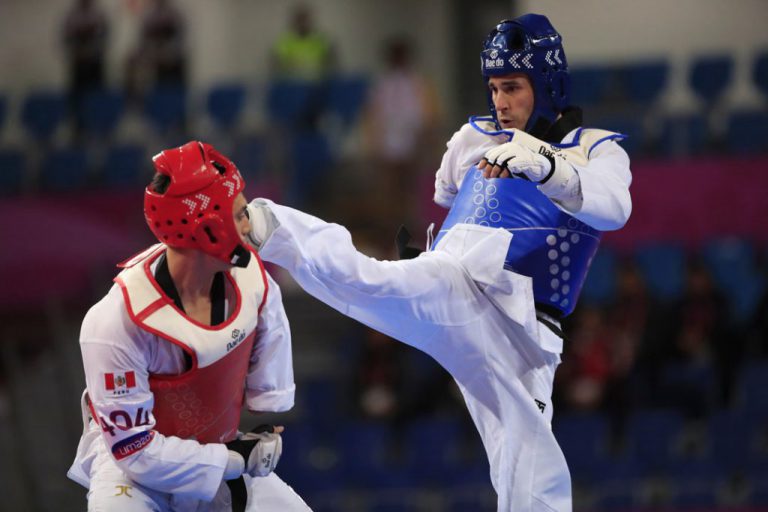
{"x":540,"y":128}
{"x":240,"y":256}
{"x":570,"y":119}
{"x":548,"y":164}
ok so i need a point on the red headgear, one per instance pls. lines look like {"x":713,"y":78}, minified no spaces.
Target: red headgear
{"x":195,"y":212}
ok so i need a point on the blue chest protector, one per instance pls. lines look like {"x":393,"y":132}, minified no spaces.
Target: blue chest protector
{"x":553,"y":248}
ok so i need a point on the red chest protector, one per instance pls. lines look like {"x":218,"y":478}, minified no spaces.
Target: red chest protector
{"x":203,"y":403}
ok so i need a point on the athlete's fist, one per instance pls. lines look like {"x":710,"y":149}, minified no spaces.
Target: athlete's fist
{"x":262,"y":221}
{"x":516,"y":161}
{"x":554,"y":176}
{"x":260,"y":449}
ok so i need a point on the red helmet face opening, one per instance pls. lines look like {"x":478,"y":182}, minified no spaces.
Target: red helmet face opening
{"x":196,"y":210}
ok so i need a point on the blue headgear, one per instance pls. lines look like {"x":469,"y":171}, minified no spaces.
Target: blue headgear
{"x":531,"y":45}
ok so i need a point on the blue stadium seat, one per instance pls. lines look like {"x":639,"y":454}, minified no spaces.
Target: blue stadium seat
{"x":225,"y":104}
{"x":298,"y":442}
{"x":315,"y":144}
{"x":309,"y":173}
{"x":738,"y":437}
{"x":431,"y":449}
{"x":470,"y":471}
{"x":320,"y":404}
{"x":600,"y":286}
{"x":644,"y":81}
{"x":482,"y":499}
{"x":166,"y":108}
{"x":309,"y":460}
{"x":584,"y":440}
{"x":288,"y":101}
{"x":64,"y":170}
{"x":690,"y":470}
{"x":12,"y":170}
{"x":249,"y":156}
{"x":43,"y":112}
{"x":758,"y":496}
{"x":125,"y":165}
{"x":752,"y":389}
{"x":620,"y":496}
{"x":404,"y":501}
{"x":760,"y":72}
{"x":101,"y":112}
{"x":729,"y":435}
{"x":652,"y":437}
{"x":701,"y":495}
{"x":757,"y":464}
{"x":590,"y":85}
{"x":318,"y":505}
{"x":728,"y":255}
{"x":747,"y":132}
{"x":346,"y":97}
{"x":629,"y":125}
{"x":364,"y":452}
{"x":689,"y":386}
{"x":683,"y":135}
{"x":663,"y":267}
{"x":735,"y":272}
{"x":710,"y":76}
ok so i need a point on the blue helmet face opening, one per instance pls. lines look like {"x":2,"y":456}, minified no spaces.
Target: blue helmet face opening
{"x":530,"y":45}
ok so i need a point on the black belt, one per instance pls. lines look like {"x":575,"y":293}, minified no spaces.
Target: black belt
{"x":550,"y":317}
{"x":239,"y":493}
{"x":404,"y":251}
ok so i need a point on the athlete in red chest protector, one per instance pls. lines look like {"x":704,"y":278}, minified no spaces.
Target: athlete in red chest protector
{"x":193,"y":329}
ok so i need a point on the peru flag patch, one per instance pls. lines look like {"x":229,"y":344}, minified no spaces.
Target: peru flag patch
{"x":120,"y":383}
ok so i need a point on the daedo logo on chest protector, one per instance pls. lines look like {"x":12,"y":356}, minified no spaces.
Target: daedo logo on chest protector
{"x":238,"y":335}
{"x":546,"y":152}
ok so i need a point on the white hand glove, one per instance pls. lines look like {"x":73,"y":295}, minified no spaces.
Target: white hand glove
{"x":262,"y":220}
{"x":556,"y":178}
{"x":520,"y":161}
{"x":265,"y":454}
{"x":260,"y":450}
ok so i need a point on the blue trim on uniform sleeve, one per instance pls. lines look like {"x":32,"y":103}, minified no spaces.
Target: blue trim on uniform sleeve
{"x":473,"y":120}
{"x":615,"y":136}
{"x":575,"y":142}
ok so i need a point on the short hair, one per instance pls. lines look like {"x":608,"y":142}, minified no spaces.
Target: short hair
{"x":160,"y":183}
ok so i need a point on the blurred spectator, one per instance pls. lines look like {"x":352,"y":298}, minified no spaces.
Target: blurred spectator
{"x":704,"y":337}
{"x":305,"y":56}
{"x":586,"y":366}
{"x":644,"y":330}
{"x":400,"y":117}
{"x":160,"y":58}
{"x":756,"y":339}
{"x":85,"y":39}
{"x":388,"y":372}
{"x":758,"y":332}
{"x":630,"y":320}
{"x":302,"y":52}
{"x":380,"y":372}
{"x":438,"y":392}
{"x":629,"y":316}
{"x":703,"y":311}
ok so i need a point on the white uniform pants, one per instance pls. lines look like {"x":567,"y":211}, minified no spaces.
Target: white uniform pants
{"x":112,"y":491}
{"x":460,"y":306}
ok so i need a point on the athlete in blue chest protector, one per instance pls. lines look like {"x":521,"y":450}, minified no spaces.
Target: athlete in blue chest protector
{"x":529,"y":192}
